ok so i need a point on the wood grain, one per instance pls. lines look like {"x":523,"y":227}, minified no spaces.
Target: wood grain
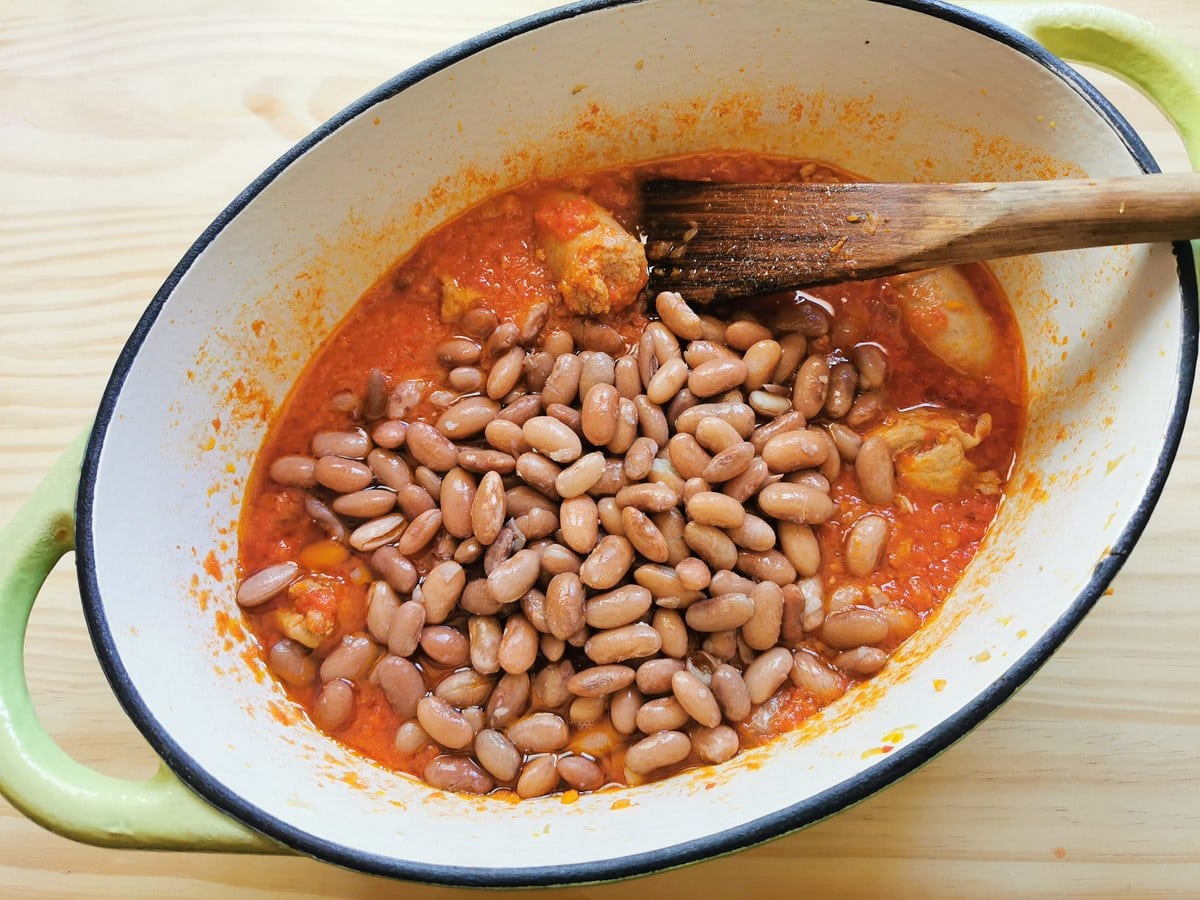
{"x":124,"y":129}
{"x":707,"y":240}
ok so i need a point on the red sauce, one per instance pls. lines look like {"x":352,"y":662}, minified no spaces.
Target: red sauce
{"x":566,"y":219}
{"x":491,"y":251}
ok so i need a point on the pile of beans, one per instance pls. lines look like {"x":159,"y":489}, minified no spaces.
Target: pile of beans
{"x":598,"y":560}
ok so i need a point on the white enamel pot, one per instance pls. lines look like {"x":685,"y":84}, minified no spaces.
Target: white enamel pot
{"x":892,"y":89}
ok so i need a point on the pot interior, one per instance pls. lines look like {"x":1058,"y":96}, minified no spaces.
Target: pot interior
{"x":887,"y":91}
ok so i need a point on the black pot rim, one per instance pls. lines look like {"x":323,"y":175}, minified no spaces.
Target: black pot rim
{"x":794,"y":817}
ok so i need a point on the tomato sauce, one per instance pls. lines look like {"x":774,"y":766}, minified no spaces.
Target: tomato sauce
{"x":489,"y":256}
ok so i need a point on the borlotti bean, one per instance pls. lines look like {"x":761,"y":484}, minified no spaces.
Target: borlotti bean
{"x":570,"y":535}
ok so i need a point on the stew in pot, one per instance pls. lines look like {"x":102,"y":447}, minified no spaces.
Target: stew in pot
{"x":523,"y":527}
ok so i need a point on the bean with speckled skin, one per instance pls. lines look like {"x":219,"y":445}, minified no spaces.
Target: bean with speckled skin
{"x":456,"y":499}
{"x":720,"y":613}
{"x":678,"y":316}
{"x":334,"y":706}
{"x":619,"y":644}
{"x":811,"y":386}
{"x":666,"y":748}
{"x":871,"y":363}
{"x":441,"y":590}
{"x":509,"y":699}
{"x":457,"y":773}
{"x":672,"y":631}
{"x":464,"y":688}
{"x":854,"y":627}
{"x":661,"y":714}
{"x":875,"y":471}
{"x":795,"y":503}
{"x":294,"y":471}
{"x":761,"y":630}
{"x":861,"y":661}
{"x":445,"y":724}
{"x":402,"y":683}
{"x":266,"y":584}
{"x":607,"y":564}
{"x":654,"y":675}
{"x":731,"y":692}
{"x":553,"y":439}
{"x":599,"y":414}
{"x":518,"y":645}
{"x":618,"y":607}
{"x":403,"y":627}
{"x":540,"y":732}
{"x":539,"y":777}
{"x":483,"y":634}
{"x":600,"y":681}
{"x":467,"y":418}
{"x":696,"y":698}
{"x":341,"y":475}
{"x":764,"y":676}
{"x":667,"y":381}
{"x":644,"y":535}
{"x":497,"y":754}
{"x":513,"y":577}
{"x":865,"y":545}
{"x":431,"y":448}
{"x":623,"y":708}
{"x":792,"y":450}
{"x":581,"y":773}
{"x":446,"y":646}
{"x":562,"y":385}
{"x":579,"y":477}
{"x":565,"y":605}
{"x":292,"y":662}
{"x":716,"y":744}
{"x":718,"y":510}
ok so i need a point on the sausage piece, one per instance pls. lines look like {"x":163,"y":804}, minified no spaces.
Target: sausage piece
{"x":597,"y":265}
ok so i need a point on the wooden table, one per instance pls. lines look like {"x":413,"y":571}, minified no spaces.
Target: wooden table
{"x":123,"y":132}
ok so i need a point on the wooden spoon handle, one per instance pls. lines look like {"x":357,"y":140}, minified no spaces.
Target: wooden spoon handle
{"x":1041,"y":216}
{"x":744,"y":239}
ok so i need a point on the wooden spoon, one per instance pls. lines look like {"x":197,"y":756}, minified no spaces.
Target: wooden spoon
{"x":708,"y":240}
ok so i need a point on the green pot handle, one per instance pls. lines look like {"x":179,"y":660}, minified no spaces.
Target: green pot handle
{"x":1161,"y":67}
{"x":36,"y":776}
{"x":57,"y":792}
